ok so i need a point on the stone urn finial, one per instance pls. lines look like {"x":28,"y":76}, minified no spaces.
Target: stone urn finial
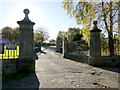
{"x":26,"y":19}
{"x":95,"y":23}
{"x":26,"y":12}
{"x":95,"y":28}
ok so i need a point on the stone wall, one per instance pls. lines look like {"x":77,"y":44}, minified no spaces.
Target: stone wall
{"x":104,"y":61}
{"x":109,"y":61}
{"x":77,"y":57}
{"x":9,"y":66}
{"x":94,"y":58}
{"x":26,"y":65}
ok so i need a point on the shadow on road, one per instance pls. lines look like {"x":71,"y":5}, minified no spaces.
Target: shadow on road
{"x":28,"y":82}
{"x":42,"y":52}
{"x":113,"y":69}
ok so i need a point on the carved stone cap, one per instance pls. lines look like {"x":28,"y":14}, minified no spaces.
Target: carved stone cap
{"x":26,"y":12}
{"x":95,"y":28}
{"x":26,"y":19}
{"x":95,"y":23}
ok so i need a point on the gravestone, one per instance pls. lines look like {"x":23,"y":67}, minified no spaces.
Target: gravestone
{"x":26,"y":61}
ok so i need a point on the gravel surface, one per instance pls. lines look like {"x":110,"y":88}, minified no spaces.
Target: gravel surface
{"x":53,"y":71}
{"x":57,"y":72}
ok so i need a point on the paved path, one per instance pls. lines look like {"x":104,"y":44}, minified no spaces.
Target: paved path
{"x":53,"y":71}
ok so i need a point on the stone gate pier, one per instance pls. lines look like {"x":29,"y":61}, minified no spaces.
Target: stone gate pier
{"x":95,"y":57}
{"x":26,"y":61}
{"x":95,"y":44}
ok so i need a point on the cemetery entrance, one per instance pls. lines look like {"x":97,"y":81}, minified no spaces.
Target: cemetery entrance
{"x":21,"y":58}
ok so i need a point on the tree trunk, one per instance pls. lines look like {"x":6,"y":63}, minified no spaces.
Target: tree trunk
{"x":110,"y":33}
{"x":110,"y":30}
{"x":119,"y":19}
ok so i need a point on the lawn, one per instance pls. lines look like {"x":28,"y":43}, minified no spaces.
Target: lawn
{"x":10,"y":54}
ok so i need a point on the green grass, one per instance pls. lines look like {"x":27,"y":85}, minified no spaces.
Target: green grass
{"x":9,"y":54}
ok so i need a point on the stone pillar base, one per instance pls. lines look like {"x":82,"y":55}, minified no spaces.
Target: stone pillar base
{"x":26,"y":65}
{"x":95,"y":61}
{"x":109,"y":61}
